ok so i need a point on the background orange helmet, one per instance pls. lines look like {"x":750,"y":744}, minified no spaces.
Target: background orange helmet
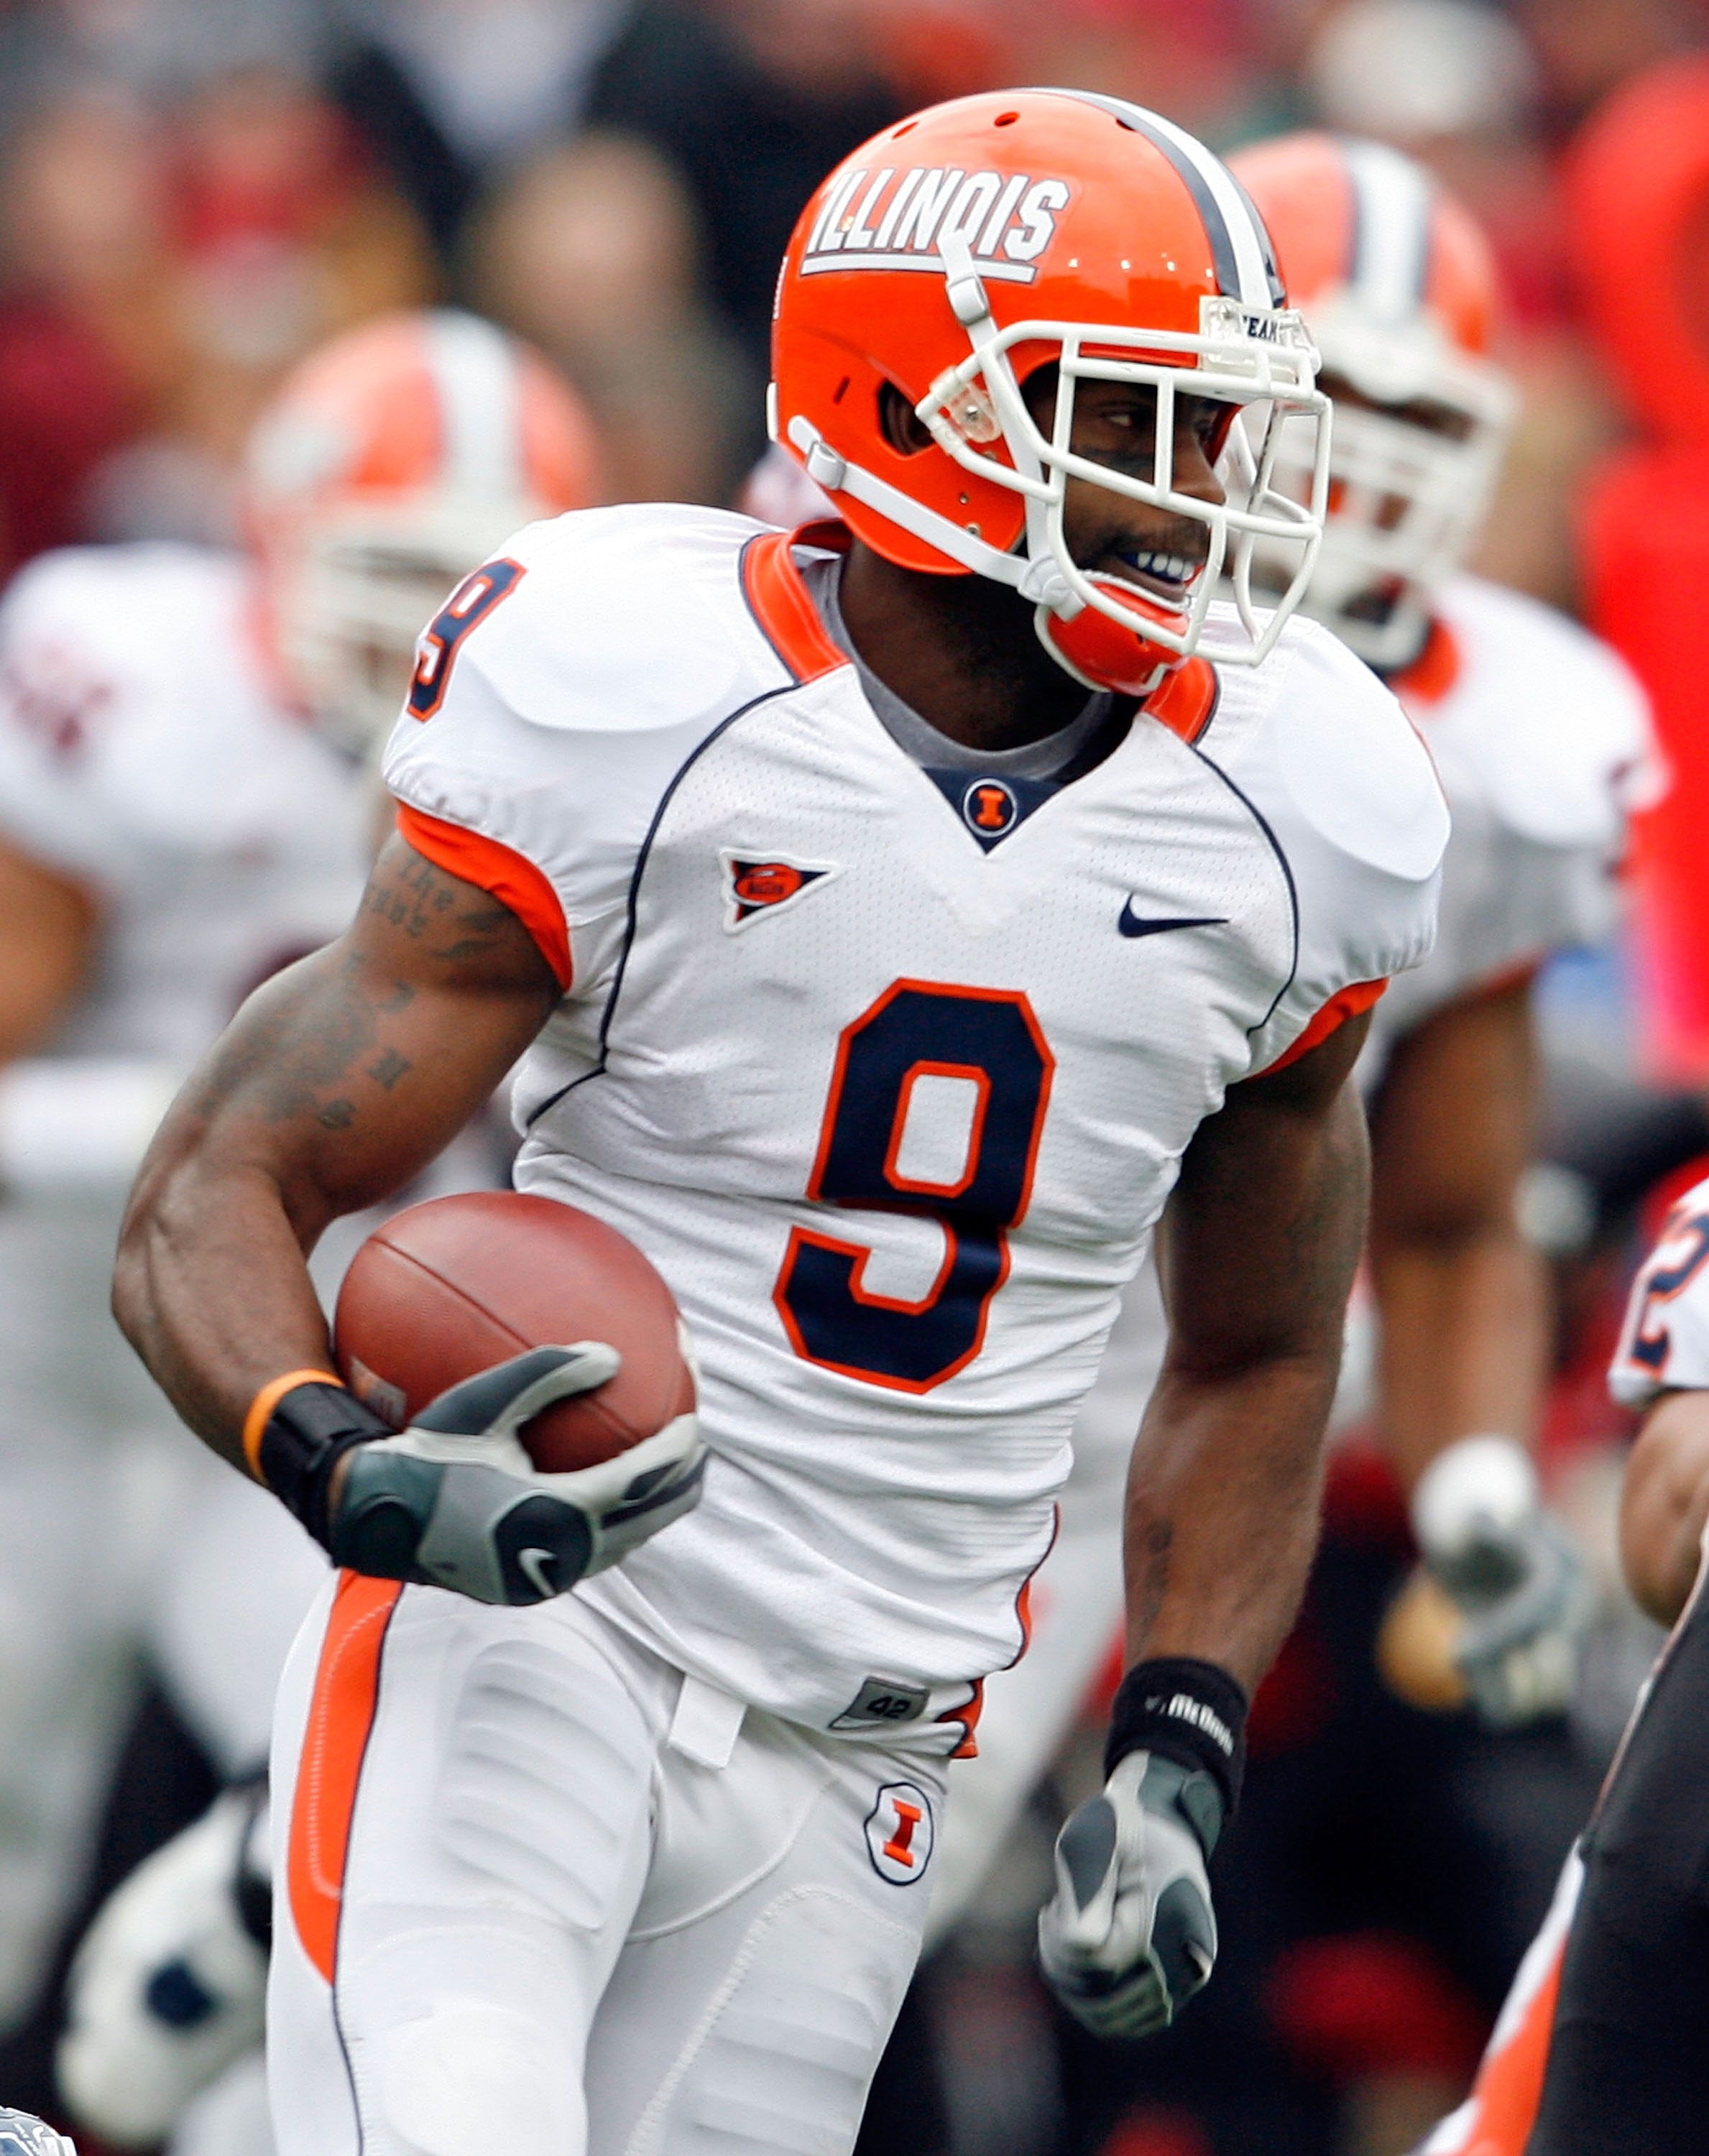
{"x":1398,"y":287}
{"x":962,"y":249}
{"x":393,"y":461}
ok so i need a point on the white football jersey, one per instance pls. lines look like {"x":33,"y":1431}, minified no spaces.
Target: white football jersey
{"x":890,"y":1072}
{"x":143,"y":753}
{"x":1665,"y":1342}
{"x":1541,"y":736}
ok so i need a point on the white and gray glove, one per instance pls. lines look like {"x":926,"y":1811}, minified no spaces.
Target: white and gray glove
{"x":456,"y":1501}
{"x":1130,"y":1935}
{"x":22,"y":2133}
{"x":1523,"y":1591}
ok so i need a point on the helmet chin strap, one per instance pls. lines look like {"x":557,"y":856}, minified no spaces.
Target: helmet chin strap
{"x":1104,"y":653}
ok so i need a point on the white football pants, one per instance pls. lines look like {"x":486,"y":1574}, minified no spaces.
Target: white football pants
{"x":542,"y":1895}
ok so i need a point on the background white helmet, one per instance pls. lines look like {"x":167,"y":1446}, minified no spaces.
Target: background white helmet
{"x":394,"y":460}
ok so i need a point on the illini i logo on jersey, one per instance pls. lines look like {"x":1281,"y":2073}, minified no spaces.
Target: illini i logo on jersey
{"x":756,"y":883}
{"x":899,"y":1833}
{"x":892,"y":219}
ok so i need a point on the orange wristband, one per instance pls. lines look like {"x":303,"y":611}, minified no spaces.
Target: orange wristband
{"x":264,"y":1402}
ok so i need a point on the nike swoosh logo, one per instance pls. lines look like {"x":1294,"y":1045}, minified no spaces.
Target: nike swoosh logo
{"x":536,"y":1568}
{"x":1135,"y":924}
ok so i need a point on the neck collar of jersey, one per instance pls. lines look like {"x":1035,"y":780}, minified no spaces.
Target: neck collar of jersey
{"x":780,"y":602}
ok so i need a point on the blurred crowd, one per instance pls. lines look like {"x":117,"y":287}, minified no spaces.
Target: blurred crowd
{"x":194,"y":193}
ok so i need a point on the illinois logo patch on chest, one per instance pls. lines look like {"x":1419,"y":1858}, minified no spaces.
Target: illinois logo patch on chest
{"x":758,"y":884}
{"x":900,"y":1833}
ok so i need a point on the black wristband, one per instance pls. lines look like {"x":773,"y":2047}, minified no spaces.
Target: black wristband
{"x":310,"y":1431}
{"x":1191,"y":1712}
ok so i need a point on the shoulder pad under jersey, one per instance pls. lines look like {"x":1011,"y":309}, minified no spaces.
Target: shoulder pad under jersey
{"x":622,"y":620}
{"x":1326,"y":756}
{"x":1552,"y":721}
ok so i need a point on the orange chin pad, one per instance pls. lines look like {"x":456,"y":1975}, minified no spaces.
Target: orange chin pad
{"x":1121,"y":659}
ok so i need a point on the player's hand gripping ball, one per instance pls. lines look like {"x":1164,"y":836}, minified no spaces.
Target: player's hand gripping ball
{"x":541,"y":1387}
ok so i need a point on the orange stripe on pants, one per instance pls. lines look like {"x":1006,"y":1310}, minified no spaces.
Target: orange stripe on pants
{"x":341,"y":1716}
{"x":1509,"y":2086}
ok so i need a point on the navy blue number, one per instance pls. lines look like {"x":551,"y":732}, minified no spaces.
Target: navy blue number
{"x":1649,"y":1348}
{"x":472,"y":602}
{"x":990,"y":1038}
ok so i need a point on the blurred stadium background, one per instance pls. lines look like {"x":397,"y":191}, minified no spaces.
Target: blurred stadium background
{"x":195,"y":192}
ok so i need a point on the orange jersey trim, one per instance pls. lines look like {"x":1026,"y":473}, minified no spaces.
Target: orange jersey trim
{"x":1508,"y":2091}
{"x":1435,"y":669}
{"x":264,"y":1402}
{"x":772,"y":582}
{"x":1335,"y":1014}
{"x":503,"y":873}
{"x":968,"y":1714}
{"x":341,"y":1719}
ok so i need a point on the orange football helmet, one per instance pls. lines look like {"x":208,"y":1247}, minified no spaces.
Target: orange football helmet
{"x":1399,"y":286}
{"x":393,"y":462}
{"x":962,"y":250}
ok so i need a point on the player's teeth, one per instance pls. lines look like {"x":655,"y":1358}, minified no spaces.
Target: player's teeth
{"x":1173,"y":568}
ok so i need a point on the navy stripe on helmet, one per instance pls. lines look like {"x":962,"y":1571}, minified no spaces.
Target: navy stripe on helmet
{"x":1217,"y":195}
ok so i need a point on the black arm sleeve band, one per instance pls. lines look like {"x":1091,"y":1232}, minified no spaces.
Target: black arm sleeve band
{"x":1190,"y":1711}
{"x":310,"y":1431}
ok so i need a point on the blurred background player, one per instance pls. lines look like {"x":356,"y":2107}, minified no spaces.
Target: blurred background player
{"x":1541,"y":740}
{"x":185,"y":806}
{"x":1601,"y":2043}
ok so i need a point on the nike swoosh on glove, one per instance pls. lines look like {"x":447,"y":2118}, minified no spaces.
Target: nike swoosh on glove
{"x":1130,"y":1934}
{"x":1523,"y":1589}
{"x":454,"y":1500}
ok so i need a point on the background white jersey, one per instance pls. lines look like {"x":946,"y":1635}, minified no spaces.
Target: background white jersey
{"x":142,"y":755}
{"x":891,"y":1079}
{"x":1541,"y":736}
{"x":1664,"y":1342}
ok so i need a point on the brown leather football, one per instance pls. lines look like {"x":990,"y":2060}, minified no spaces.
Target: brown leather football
{"x":445,"y":1290}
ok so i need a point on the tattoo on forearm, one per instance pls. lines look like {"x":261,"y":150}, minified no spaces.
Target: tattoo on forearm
{"x":388,"y":1068}
{"x":337,"y":1115}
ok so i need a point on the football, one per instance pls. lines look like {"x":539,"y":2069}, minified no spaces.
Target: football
{"x":446,"y":1289}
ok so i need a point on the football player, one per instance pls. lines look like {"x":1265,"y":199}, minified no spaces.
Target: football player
{"x":183,"y":810}
{"x":1079,"y":887}
{"x":1541,"y":737}
{"x":1601,"y":2043}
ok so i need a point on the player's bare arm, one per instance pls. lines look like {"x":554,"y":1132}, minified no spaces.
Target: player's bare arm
{"x":1459,"y":1289}
{"x":1664,"y":1505}
{"x":337,"y":1082}
{"x":1259,"y":1248}
{"x":50,"y":930}
{"x":1463,"y":1330}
